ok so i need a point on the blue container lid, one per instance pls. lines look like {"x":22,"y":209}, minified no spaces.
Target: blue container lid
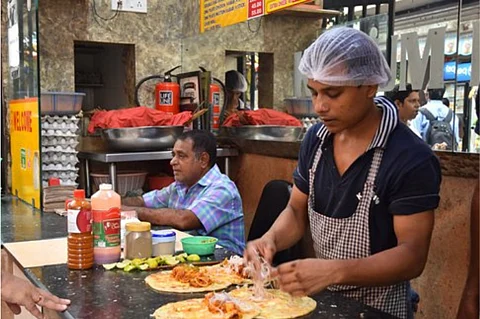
{"x":163,"y":236}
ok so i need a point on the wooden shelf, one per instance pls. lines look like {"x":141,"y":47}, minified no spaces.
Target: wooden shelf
{"x":307,"y":11}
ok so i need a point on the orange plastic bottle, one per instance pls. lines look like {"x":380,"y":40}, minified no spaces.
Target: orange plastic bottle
{"x":106,"y":225}
{"x":80,"y":238}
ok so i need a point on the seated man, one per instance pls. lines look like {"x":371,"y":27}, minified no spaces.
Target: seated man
{"x":201,"y":198}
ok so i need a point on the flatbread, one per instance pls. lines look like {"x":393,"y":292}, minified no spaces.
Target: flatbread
{"x":196,"y":309}
{"x":225,"y":273}
{"x":163,"y":282}
{"x":277,"y":304}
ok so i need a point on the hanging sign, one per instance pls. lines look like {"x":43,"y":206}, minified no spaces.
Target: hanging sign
{"x":25,"y":150}
{"x":215,"y":14}
{"x":276,"y":5}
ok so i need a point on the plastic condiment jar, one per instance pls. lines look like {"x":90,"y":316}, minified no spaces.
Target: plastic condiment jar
{"x":138,"y":240}
{"x":163,"y":242}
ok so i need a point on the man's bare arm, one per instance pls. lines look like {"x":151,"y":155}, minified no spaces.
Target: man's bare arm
{"x":136,"y":201}
{"x":181,"y":219}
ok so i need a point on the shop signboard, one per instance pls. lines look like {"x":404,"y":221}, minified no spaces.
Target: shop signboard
{"x":215,"y":14}
{"x":276,"y":5}
{"x":25,"y":150}
{"x":464,"y":71}
{"x":427,"y":65}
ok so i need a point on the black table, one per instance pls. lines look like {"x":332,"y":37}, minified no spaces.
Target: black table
{"x":97,"y":293}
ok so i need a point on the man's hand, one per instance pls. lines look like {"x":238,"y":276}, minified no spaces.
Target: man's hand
{"x":264,"y":246}
{"x":17,"y":292}
{"x":136,"y":201}
{"x":306,"y":276}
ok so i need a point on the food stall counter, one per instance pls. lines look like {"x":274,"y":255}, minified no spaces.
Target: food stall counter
{"x":98,"y":293}
{"x":113,"y":158}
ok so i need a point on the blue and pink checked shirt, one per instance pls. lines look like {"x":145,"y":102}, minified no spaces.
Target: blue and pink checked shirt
{"x":215,"y":200}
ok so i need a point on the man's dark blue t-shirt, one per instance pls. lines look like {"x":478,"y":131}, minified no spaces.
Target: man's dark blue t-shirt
{"x":407,"y":182}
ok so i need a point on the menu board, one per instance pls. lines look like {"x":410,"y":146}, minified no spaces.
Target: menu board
{"x":216,"y":14}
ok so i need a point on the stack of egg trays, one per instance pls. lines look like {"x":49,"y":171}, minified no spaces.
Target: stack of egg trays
{"x":59,"y":140}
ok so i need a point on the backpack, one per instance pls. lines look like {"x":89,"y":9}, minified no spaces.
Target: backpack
{"x":439,"y":131}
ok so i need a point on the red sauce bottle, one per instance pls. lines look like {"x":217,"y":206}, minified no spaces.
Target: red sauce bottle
{"x":80,"y":237}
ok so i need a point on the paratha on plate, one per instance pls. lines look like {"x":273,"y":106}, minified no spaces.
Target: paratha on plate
{"x":276,"y":304}
{"x":186,"y":279}
{"x":213,"y":306}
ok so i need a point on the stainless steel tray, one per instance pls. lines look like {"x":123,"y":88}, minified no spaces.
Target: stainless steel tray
{"x":146,"y":138}
{"x":263,"y":132}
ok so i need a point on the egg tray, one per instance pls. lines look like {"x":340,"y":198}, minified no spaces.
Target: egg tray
{"x":62,"y":132}
{"x":54,"y":157}
{"x":59,"y":149}
{"x":60,"y":119}
{"x":65,"y":175}
{"x":59,"y":167}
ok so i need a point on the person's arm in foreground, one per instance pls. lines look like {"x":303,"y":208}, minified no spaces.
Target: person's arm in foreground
{"x":469,"y":305}
{"x":17,"y":292}
{"x":153,"y":207}
{"x":403,"y":262}
{"x":285,"y":232}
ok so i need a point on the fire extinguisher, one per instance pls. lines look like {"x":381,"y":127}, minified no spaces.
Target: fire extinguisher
{"x":215,"y":90}
{"x":215,"y":102}
{"x":167,"y":92}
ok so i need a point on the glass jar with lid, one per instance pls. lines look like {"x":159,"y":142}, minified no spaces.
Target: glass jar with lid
{"x":138,"y":240}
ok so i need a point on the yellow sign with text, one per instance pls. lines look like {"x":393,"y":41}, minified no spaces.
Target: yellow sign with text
{"x":215,"y":14}
{"x":25,"y":150}
{"x":276,"y":5}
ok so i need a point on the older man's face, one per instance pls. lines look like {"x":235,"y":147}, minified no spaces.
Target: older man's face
{"x":187,"y":168}
{"x":341,"y":107}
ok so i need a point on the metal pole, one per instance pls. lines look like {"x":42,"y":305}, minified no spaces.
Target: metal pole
{"x":88,"y":189}
{"x":252,"y":81}
{"x":113,"y":176}
{"x":227,"y":166}
{"x":459,"y":17}
{"x":391,"y":18}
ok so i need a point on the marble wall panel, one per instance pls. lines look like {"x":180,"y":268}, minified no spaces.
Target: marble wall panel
{"x":280,"y":35}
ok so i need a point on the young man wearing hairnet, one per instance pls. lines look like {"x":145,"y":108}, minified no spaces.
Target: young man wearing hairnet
{"x":365,"y":184}
{"x":235,"y":85}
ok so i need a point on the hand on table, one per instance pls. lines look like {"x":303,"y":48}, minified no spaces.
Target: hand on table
{"x":305,"y":276}
{"x":17,"y":292}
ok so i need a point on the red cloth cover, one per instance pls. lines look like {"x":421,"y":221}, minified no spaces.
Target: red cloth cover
{"x":261,"y":117}
{"x":135,"y":117}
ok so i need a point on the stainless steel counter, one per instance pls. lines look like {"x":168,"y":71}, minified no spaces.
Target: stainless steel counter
{"x":113,"y":158}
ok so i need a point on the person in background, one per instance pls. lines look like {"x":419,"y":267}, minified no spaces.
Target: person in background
{"x":440,"y":112}
{"x":469,"y":304}
{"x":461,"y":126}
{"x":366,"y":185}
{"x":201,"y":198}
{"x":17,"y":293}
{"x":408,"y":102}
{"x":235,"y":86}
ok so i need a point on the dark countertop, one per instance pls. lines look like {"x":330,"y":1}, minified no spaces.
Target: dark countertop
{"x":116,"y":294}
{"x":22,"y":222}
{"x":97,"y":293}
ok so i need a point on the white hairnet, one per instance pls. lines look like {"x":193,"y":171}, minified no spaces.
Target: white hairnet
{"x":235,"y":81}
{"x":345,"y":57}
